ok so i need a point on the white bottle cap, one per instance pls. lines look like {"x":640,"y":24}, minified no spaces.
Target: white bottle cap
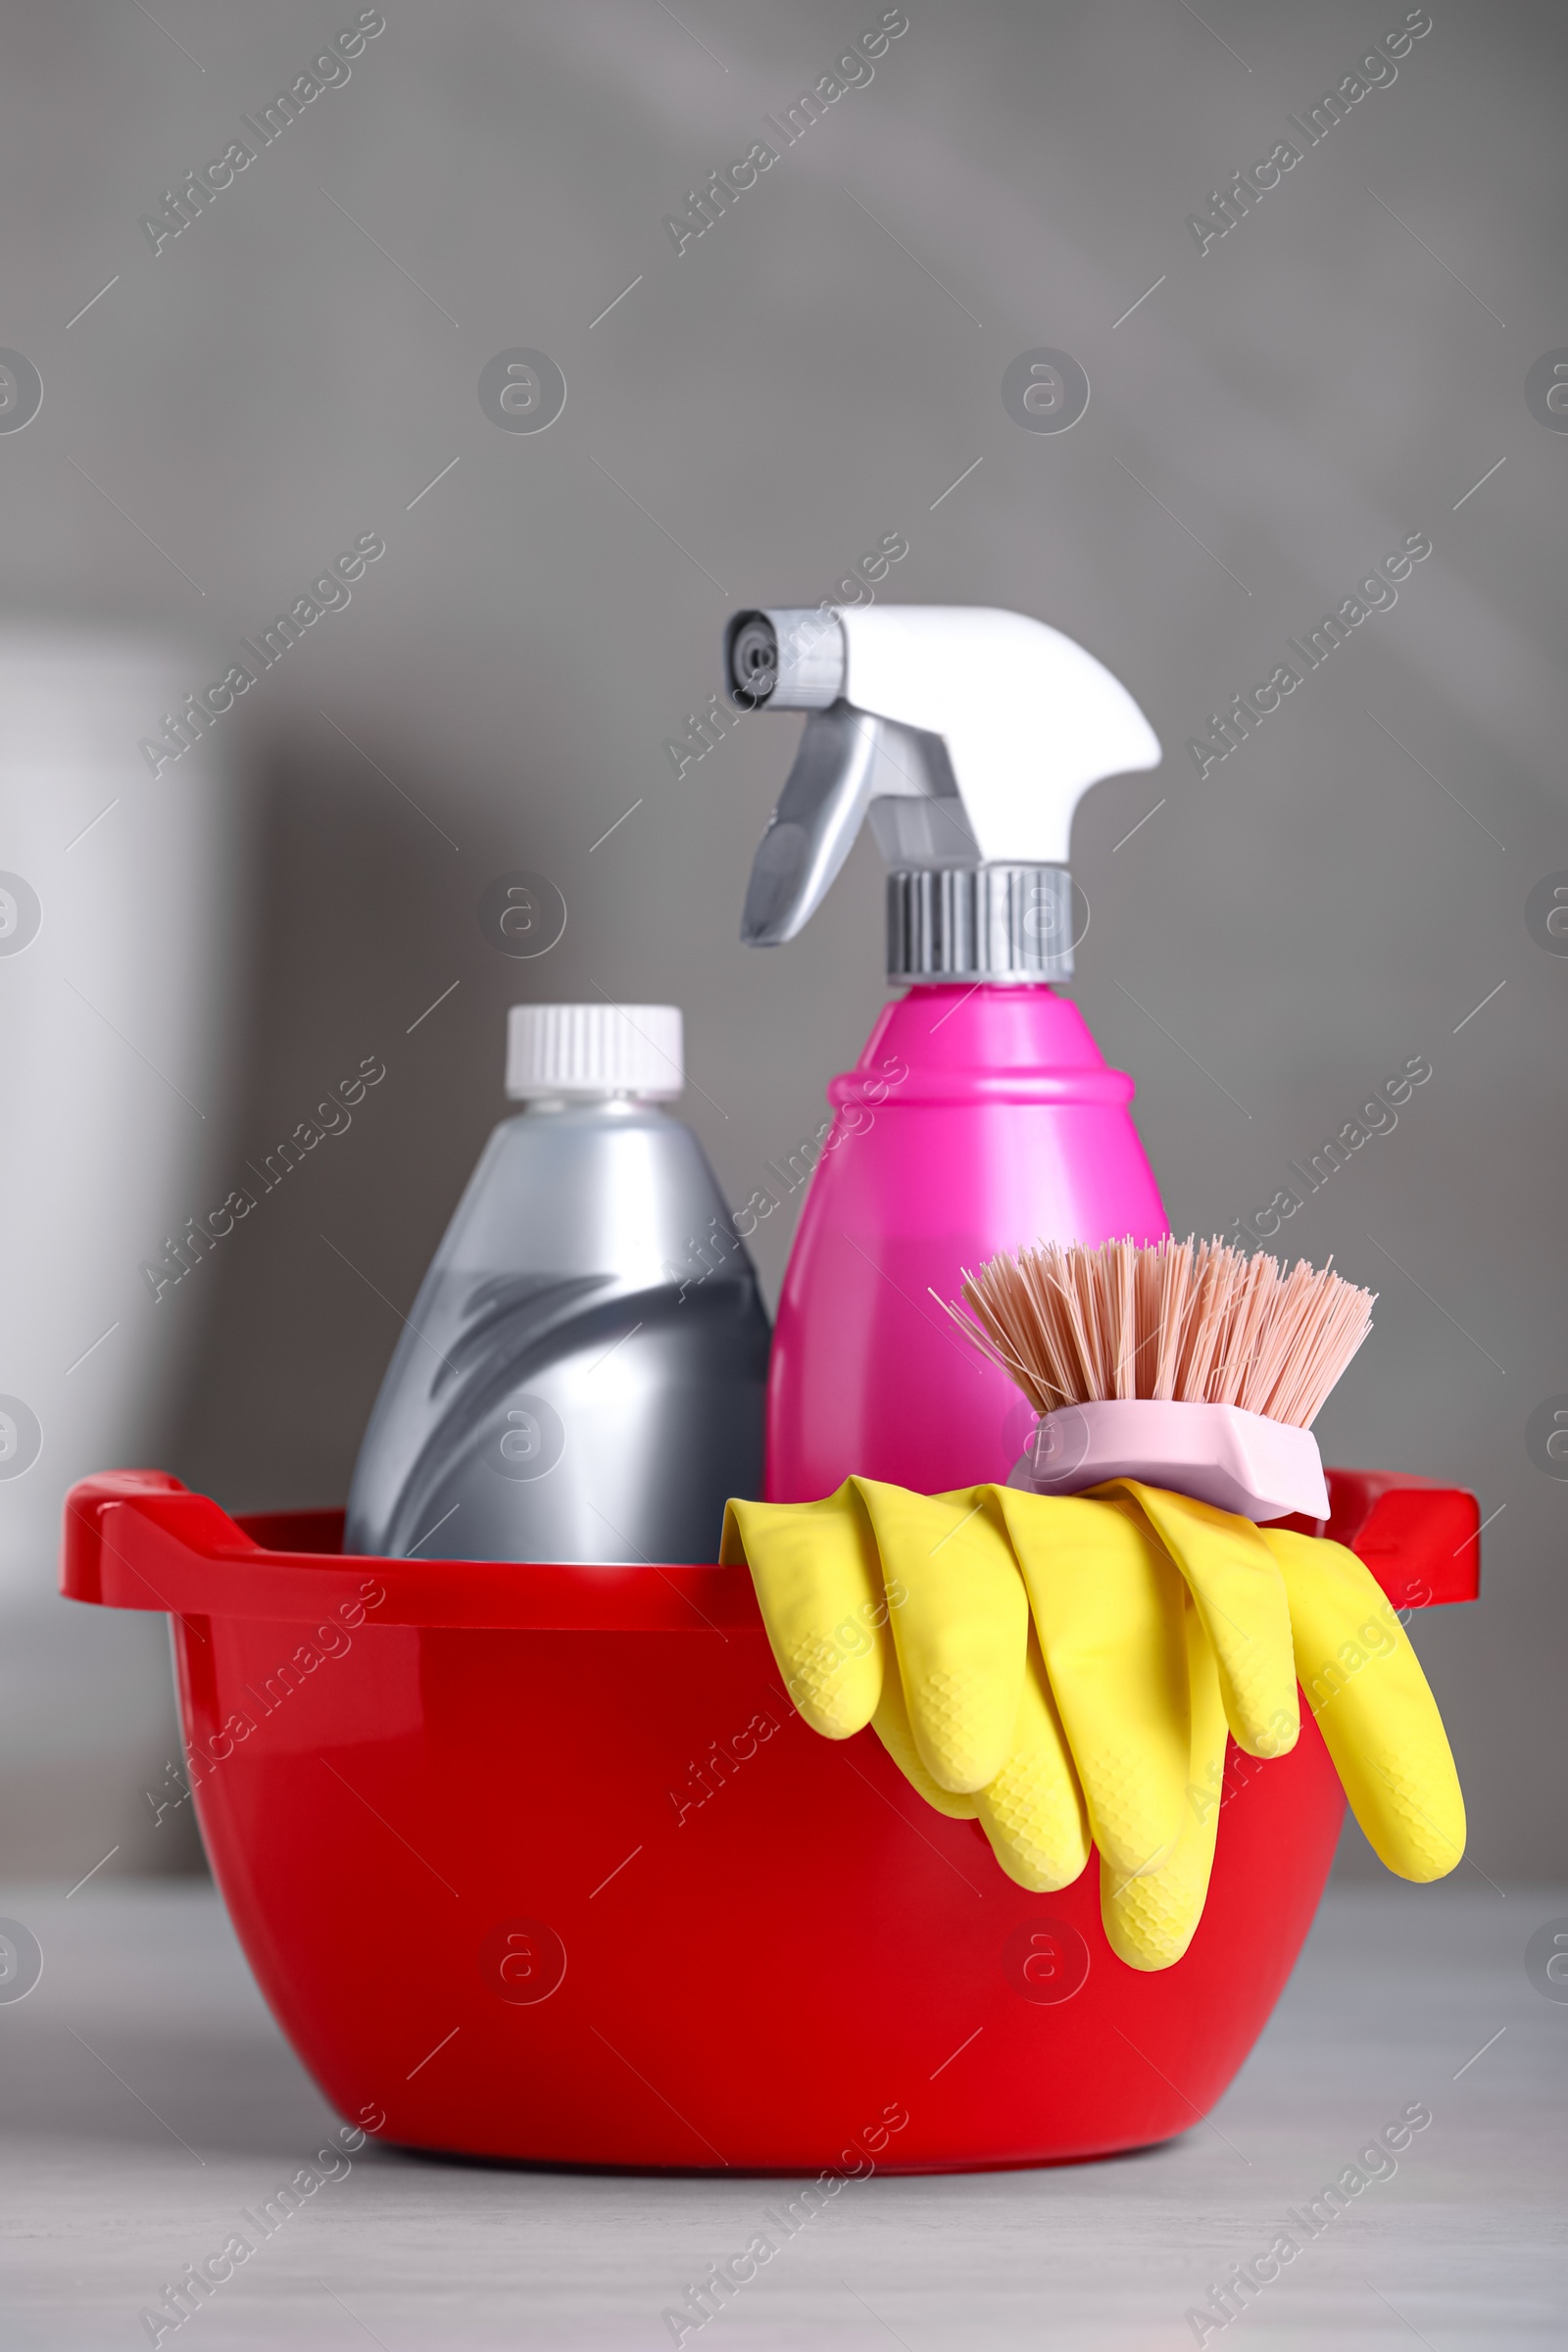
{"x":577,"y":1050}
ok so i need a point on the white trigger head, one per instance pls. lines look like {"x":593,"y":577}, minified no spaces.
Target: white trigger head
{"x":969,"y":735}
{"x":1029,"y":718}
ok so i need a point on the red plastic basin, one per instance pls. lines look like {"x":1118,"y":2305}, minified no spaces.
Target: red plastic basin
{"x":538,"y":1862}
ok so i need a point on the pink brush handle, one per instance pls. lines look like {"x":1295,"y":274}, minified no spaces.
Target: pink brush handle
{"x":1218,"y":1453}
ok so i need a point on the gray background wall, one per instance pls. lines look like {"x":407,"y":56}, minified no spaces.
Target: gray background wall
{"x":810,"y":375}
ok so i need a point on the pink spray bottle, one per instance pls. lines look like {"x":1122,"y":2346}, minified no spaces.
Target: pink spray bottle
{"x":981,"y":1116}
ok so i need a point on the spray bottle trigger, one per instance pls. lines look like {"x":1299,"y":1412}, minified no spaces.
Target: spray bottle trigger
{"x":813,"y":829}
{"x":847,"y":761}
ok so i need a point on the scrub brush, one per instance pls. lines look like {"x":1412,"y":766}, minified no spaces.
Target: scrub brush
{"x":1186,"y":1365}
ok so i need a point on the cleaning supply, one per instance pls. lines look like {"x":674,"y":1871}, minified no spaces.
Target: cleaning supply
{"x":797,"y":1944}
{"x":573,"y":1382}
{"x":1188,"y":1364}
{"x":1193,"y":1345}
{"x":967,"y":736}
{"x":1063,"y":1667}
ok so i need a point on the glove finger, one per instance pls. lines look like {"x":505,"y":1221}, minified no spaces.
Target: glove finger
{"x":891,"y":1724}
{"x":1033,"y":1812}
{"x":1240,"y":1592}
{"x":819,"y":1587}
{"x":1152,"y":1916}
{"x":1364,"y":1685}
{"x":1108,"y":1606}
{"x":959,"y":1619}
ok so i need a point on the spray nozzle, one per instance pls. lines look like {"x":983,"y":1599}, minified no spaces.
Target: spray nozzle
{"x":794,"y":660}
{"x":968,"y":735}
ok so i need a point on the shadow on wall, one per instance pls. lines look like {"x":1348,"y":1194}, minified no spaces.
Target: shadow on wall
{"x":369,"y":1076}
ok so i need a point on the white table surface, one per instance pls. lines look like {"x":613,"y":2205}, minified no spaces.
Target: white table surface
{"x":146,"y":2096}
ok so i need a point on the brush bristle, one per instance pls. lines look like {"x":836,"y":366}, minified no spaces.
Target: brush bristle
{"x":1191,"y":1322}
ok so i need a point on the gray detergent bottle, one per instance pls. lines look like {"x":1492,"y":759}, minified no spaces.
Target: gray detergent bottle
{"x":582,"y":1375}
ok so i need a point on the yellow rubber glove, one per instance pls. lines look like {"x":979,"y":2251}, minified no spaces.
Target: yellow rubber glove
{"x":819,"y":1578}
{"x":961,"y":1630}
{"x":1156,"y":1622}
{"x":1108,"y":1606}
{"x":1241,"y":1599}
{"x":958,"y":1614}
{"x":1239,"y":1673}
{"x":1033,"y":1812}
{"x":891,"y":1724}
{"x":1151,"y":1917}
{"x":1143,"y":1690}
{"x":1080,"y":1729}
{"x":1378,"y":1718}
